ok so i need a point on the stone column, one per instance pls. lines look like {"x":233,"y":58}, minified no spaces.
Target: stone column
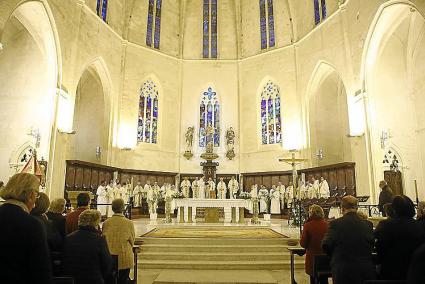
{"x":241,"y":215}
{"x":181,"y":213}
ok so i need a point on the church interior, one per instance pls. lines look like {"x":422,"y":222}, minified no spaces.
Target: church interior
{"x":216,"y":121}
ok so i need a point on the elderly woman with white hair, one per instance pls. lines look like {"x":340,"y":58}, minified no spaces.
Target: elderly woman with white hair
{"x":24,"y":256}
{"x":55,"y":215}
{"x":86,"y":257}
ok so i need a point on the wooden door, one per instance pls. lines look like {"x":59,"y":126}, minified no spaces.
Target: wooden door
{"x":394,"y":181}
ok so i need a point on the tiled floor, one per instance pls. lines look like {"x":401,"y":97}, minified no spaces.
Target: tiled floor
{"x":281,"y":276}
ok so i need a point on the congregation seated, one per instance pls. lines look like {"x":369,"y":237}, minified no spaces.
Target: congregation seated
{"x":83,"y":202}
{"x":313,"y":233}
{"x":120,"y":236}
{"x":85,"y":255}
{"x":397,"y":238}
{"x":55,"y":215}
{"x":54,"y":238}
{"x":24,"y":256}
{"x":349,"y":243}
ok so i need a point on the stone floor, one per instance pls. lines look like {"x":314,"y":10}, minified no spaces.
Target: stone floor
{"x":233,"y":276}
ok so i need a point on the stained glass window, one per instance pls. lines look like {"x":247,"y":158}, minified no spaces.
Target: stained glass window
{"x":157,"y":24}
{"x":319,"y":11}
{"x":147,"y":127}
{"x":263,"y":25}
{"x":270,"y":114}
{"x":271,"y":23}
{"x":150,"y":23}
{"x":206,"y":30}
{"x":267,"y":24}
{"x":153,"y":33}
{"x":209,"y":117}
{"x":323,"y":2}
{"x":213,"y":28}
{"x":102,"y":9}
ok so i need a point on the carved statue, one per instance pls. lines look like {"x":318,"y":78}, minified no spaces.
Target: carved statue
{"x":230,"y":141}
{"x":189,"y":142}
{"x":189,"y":137}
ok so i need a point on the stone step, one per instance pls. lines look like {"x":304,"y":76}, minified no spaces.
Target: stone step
{"x":212,"y":241}
{"x":217,"y":265}
{"x":223,"y":256}
{"x":215,"y":276}
{"x":214,"y":248}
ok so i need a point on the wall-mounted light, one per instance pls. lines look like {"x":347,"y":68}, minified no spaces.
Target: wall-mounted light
{"x":385,"y":137}
{"x":71,"y":132}
{"x":320,"y":155}
{"x":1,"y":47}
{"x":98,"y":152}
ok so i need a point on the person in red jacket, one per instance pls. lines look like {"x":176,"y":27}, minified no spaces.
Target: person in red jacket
{"x":313,"y":233}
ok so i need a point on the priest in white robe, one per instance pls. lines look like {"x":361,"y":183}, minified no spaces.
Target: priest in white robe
{"x":146,"y":189}
{"x":195,"y":189}
{"x":281,"y":189}
{"x":289,"y":195}
{"x":185,"y":187}
{"x":151,"y":199}
{"x":137,"y":194}
{"x":275,"y":200}
{"x":102,"y":198}
{"x":111,"y":196}
{"x":117,"y":190}
{"x":202,"y":193}
{"x":211,"y":189}
{"x":302,"y":189}
{"x":233,"y":186}
{"x":263,"y":204}
{"x":221,"y":189}
{"x":254,"y":194}
{"x":324,"y":188}
{"x":157,"y":189}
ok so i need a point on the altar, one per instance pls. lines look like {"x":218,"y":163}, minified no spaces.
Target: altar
{"x":231,"y":207}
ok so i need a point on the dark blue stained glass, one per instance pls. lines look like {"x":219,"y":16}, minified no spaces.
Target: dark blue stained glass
{"x":150,"y":23}
{"x":202,"y":125}
{"x":157,"y":24}
{"x":263,"y":121}
{"x":104,"y":9}
{"x":148,"y":120}
{"x":271,"y":23}
{"x":155,"y":121}
{"x":270,"y":122}
{"x":98,"y":7}
{"x":206,"y":30}
{"x":324,"y":14}
{"x":316,"y":12}
{"x":216,"y":124}
{"x":278,"y":119}
{"x":263,"y":27}
{"x":213,"y":28}
{"x":141,"y":118}
{"x":209,"y":114}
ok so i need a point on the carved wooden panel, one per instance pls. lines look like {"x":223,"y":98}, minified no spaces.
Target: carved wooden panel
{"x":70,"y":178}
{"x":95,"y":178}
{"x":160,"y":180}
{"x":87,"y":179}
{"x":79,"y":175}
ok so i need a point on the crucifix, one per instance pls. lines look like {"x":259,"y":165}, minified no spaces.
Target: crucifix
{"x":293,"y":161}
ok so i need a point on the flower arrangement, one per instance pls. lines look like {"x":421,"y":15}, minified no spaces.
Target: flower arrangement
{"x":244,"y":195}
{"x":177,"y":195}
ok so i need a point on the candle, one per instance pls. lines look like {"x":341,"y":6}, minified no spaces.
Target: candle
{"x":416,"y":191}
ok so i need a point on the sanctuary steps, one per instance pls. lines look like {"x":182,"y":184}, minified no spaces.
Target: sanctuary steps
{"x":217,"y":253}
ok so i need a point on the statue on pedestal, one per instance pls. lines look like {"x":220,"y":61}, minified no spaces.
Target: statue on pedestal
{"x":230,"y":141}
{"x":189,"y":142}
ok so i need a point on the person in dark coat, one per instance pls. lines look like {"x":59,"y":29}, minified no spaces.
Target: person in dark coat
{"x":55,"y":215}
{"x":313,"y":233}
{"x":86,"y":256}
{"x":24,"y":253}
{"x":416,"y":273}
{"x":83,"y":203}
{"x":385,"y":196}
{"x":397,"y":239}
{"x":54,"y":239}
{"x":349,"y":243}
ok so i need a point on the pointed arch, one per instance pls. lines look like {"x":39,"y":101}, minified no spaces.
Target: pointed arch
{"x":148,"y":111}
{"x":209,"y":116}
{"x":270,"y":115}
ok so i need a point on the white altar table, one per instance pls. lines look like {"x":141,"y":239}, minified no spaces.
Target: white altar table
{"x":226,"y":204}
